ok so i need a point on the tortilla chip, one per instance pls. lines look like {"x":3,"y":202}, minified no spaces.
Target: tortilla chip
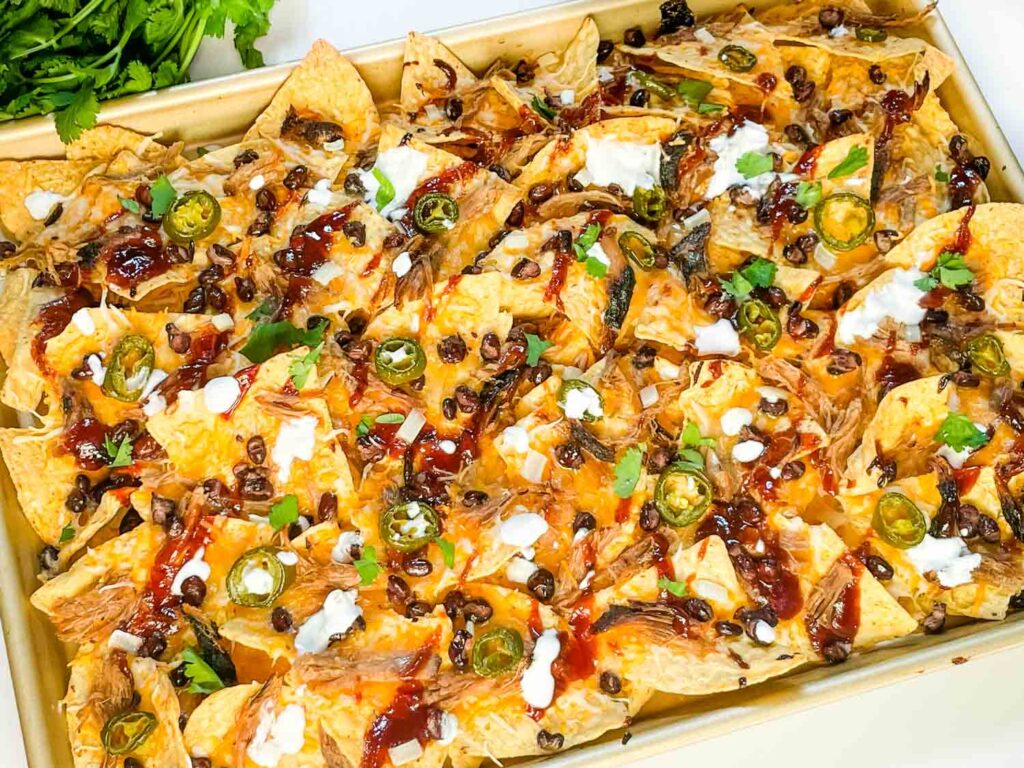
{"x":28,"y":177}
{"x":424,"y":79}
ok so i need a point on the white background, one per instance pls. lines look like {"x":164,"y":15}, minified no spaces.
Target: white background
{"x":968,"y":715}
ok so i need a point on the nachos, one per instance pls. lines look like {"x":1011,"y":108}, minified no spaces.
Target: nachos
{"x":458,"y":427}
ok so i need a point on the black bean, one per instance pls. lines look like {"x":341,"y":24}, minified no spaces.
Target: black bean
{"x":490,"y":347}
{"x":195,"y":302}
{"x":76,"y":501}
{"x":153,"y":646}
{"x":453,"y":603}
{"x":720,"y":304}
{"x":584,"y":521}
{"x":604,"y":50}
{"x":221,"y":257}
{"x":466,"y":399}
{"x":281,"y":619}
{"x":245,"y":157}
{"x":354,"y":185}
{"x":634,"y":37}
{"x":798,"y":326}
{"x":539,"y":373}
{"x":988,"y":529}
{"x":457,"y":649}
{"x":650,"y":518}
{"x":453,"y":108}
{"x":245,"y":288}
{"x":836,"y":651}
{"x":474,"y":498}
{"x":523,"y":71}
{"x":262,"y":224}
{"x":878,"y":567}
{"x":477,"y":610}
{"x":935,"y":621}
{"x":500,"y":171}
{"x":697,"y":609}
{"x":417,"y":609}
{"x":539,"y":193}
{"x":773,"y":408}
{"x":526,"y":269}
{"x":728,"y":629}
{"x":839,"y":116}
{"x":796,"y":74}
{"x":639,"y":98}
{"x":793,"y":470}
{"x":417,"y":566}
{"x":542,"y":584}
{"x":843,"y":361}
{"x":797,"y":134}
{"x":981,"y":166}
{"x":193,"y":591}
{"x":449,"y":408}
{"x":266,"y":200}
{"x":296,"y":177}
{"x":254,"y":483}
{"x":178,"y":677}
{"x":876,"y":74}
{"x":569,"y":455}
{"x":515,"y":216}
{"x":452,"y":349}
{"x":610,"y":683}
{"x":803,"y":91}
{"x":256,"y":449}
{"x":550,"y":742}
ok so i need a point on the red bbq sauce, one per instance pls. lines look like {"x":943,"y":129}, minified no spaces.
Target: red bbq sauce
{"x":309,"y":247}
{"x":405,"y":719}
{"x":842,"y":620}
{"x":135,"y":257}
{"x":84,"y":440}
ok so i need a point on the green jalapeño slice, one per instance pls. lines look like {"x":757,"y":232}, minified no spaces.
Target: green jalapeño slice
{"x":409,"y":526}
{"x":986,"y":355}
{"x":844,"y":221}
{"x":399,"y":361}
{"x":129,"y":368}
{"x":193,"y":216}
{"x":649,"y":204}
{"x":126,"y":732}
{"x":637,"y":249}
{"x":759,"y":324}
{"x":435,"y":212}
{"x":579,"y":400}
{"x":682,"y":494}
{"x":497,"y":652}
{"x":898,"y":521}
{"x":259,"y":576}
{"x":737,"y":58}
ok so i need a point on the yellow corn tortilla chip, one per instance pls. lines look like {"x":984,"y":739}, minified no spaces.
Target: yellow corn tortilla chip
{"x":423,"y":77}
{"x":44,"y":183}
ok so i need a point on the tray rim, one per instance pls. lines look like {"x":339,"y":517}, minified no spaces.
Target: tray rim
{"x":663,"y":731}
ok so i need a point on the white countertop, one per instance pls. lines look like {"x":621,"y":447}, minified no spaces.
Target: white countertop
{"x":966,"y":715}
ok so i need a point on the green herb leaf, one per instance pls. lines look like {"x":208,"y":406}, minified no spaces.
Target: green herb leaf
{"x":129,"y":205}
{"x":959,"y":432}
{"x":285,"y":512}
{"x":926,"y":283}
{"x":691,"y":437}
{"x":753,"y":164}
{"x":855,"y":159}
{"x":67,"y":533}
{"x":364,"y":425}
{"x":79,"y":115}
{"x":269,"y":338}
{"x":693,"y":91}
{"x":627,"y":471}
{"x":164,"y":194}
{"x":367,"y":566}
{"x":952,"y":271}
{"x":586,"y":241}
{"x":386,"y":190}
{"x":204,"y":679}
{"x":808,"y":194}
{"x":692,"y":456}
{"x":266,"y":310}
{"x":542,"y":108}
{"x":120,"y":455}
{"x":941,"y":175}
{"x":737,"y":285}
{"x":760,"y":273}
{"x":710,"y":108}
{"x":535,"y":347}
{"x":677,"y":588}
{"x":300,"y":368}
{"x":447,"y":551}
{"x":596,"y":267}
{"x":138,"y":78}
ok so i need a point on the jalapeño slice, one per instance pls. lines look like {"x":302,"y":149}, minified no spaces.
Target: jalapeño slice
{"x":258,"y":577}
{"x":737,"y":58}
{"x":898,"y":521}
{"x":497,"y":651}
{"x":435,"y":212}
{"x":760,"y":324}
{"x":399,"y":361}
{"x":682,"y":494}
{"x":409,"y":526}
{"x":871,"y":34}
{"x":637,"y":249}
{"x":653,"y":85}
{"x":579,"y":400}
{"x":987,"y":356}
{"x":649,"y":204}
{"x":129,"y":368}
{"x":127,"y":731}
{"x":844,"y":221}
{"x":193,"y":216}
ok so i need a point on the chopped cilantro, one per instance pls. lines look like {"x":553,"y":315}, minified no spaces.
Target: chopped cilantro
{"x":268,"y":338}
{"x":163,"y":194}
{"x":204,"y":679}
{"x":586,"y":241}
{"x":132,"y":206}
{"x":627,"y":471}
{"x":710,"y":108}
{"x":300,"y":368}
{"x":596,"y":267}
{"x":959,"y":432}
{"x":677,"y":588}
{"x":753,"y":164}
{"x":693,"y":91}
{"x":447,"y":551}
{"x":535,"y":347}
{"x":67,"y":533}
{"x":367,"y":566}
{"x":285,"y":512}
{"x":808,"y":194}
{"x":855,"y":159}
{"x":690,"y":439}
{"x":760,"y":273}
{"x":120,"y":454}
{"x":941,"y":175}
{"x":951,"y":271}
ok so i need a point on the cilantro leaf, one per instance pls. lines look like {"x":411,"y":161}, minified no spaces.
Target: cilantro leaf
{"x":627,"y":471}
{"x":952,"y":271}
{"x":386,"y":190}
{"x":542,"y":108}
{"x":285,"y":512}
{"x":693,"y":91}
{"x":596,"y":267}
{"x":959,"y":432}
{"x":535,"y":347}
{"x":203,"y":678}
{"x":710,"y":108}
{"x":677,"y":588}
{"x":737,"y":285}
{"x":164,"y":194}
{"x":760,"y":273}
{"x":690,"y":439}
{"x":130,"y":205}
{"x":586,"y":241}
{"x":137,"y":78}
{"x":447,"y":551}
{"x":855,"y":159}
{"x":926,"y":283}
{"x":753,"y":164}
{"x":268,"y":338}
{"x":300,"y":368}
{"x":692,"y":456}
{"x":808,"y":194}
{"x":941,"y":175}
{"x":79,"y":115}
{"x":120,"y":454}
{"x":67,"y":533}
{"x":367,"y":566}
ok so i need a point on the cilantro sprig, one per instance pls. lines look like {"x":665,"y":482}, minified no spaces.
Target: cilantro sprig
{"x":367,"y":421}
{"x":690,"y":439}
{"x":269,"y":338}
{"x":447,"y":551}
{"x":588,"y":239}
{"x":808,"y":194}
{"x":285,"y":512}
{"x":627,"y":471}
{"x":855,"y":159}
{"x":677,"y":588}
{"x":752,"y":164}
{"x":950,"y":271}
{"x":959,"y":432}
{"x":367,"y":566}
{"x":535,"y":347}
{"x":120,"y":454}
{"x":301,"y":367}
{"x":200,"y":674}
{"x":760,"y":273}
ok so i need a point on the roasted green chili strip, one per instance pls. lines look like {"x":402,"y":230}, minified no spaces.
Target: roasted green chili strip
{"x":986,"y":355}
{"x":898,"y":521}
{"x":637,"y":249}
{"x":737,"y":58}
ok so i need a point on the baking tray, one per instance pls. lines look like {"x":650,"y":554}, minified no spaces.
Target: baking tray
{"x":220,"y":110}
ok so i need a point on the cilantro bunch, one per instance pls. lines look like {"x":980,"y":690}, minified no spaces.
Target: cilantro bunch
{"x":65,"y":56}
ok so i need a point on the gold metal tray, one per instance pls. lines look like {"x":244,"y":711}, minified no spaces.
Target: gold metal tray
{"x":220,"y":110}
